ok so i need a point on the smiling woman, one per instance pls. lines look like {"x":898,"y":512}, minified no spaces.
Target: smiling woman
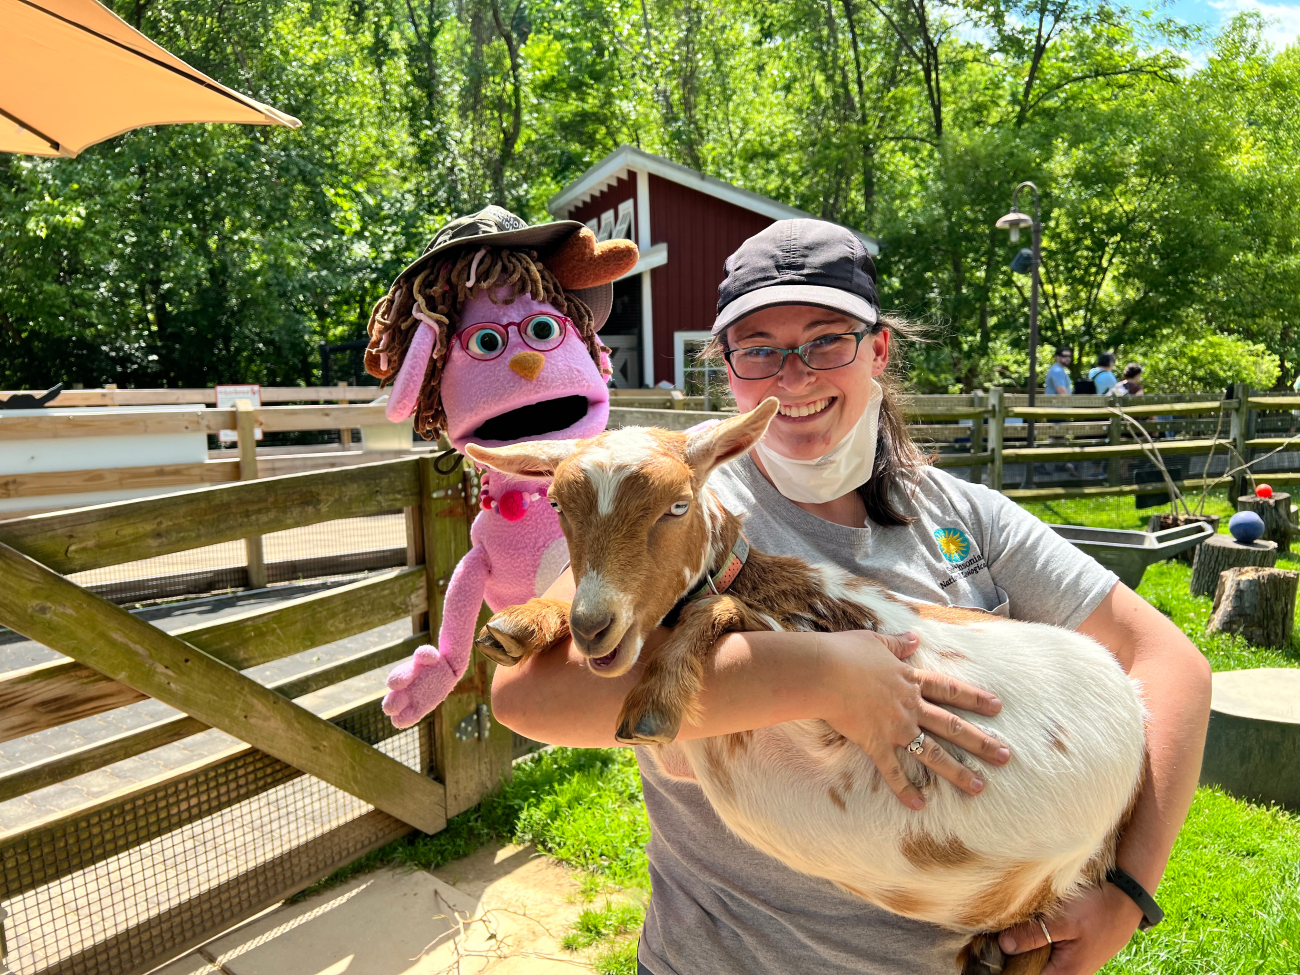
{"x":836,"y":482}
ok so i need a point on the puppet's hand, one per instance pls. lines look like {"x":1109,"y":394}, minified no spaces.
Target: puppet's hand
{"x":417,"y":686}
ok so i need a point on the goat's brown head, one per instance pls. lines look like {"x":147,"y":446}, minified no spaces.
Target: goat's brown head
{"x":639,"y":526}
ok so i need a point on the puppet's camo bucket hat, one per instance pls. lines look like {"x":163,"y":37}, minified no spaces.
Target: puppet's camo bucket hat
{"x":495,"y":226}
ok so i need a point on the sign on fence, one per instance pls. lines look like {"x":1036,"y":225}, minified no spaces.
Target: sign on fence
{"x":227,"y":397}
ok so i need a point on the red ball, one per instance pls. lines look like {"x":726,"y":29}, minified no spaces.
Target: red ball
{"x":1263,"y":491}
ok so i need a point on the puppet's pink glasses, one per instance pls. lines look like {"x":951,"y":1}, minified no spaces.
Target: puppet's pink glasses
{"x":487,"y":340}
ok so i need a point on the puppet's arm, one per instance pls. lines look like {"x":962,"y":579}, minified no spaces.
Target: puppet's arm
{"x":418,"y":685}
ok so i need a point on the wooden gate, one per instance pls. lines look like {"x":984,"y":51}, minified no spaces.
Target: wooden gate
{"x":125,"y":882}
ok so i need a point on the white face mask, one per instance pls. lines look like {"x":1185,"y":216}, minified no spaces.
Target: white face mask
{"x":845,"y":467}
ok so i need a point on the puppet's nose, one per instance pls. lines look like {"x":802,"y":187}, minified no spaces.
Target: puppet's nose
{"x":527,"y":364}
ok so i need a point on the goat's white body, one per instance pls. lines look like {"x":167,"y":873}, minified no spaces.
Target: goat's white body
{"x":1074,"y":723}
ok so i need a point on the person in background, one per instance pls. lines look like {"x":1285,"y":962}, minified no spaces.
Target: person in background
{"x":1131,"y":384}
{"x":1058,"y":377}
{"x":1102,"y":374}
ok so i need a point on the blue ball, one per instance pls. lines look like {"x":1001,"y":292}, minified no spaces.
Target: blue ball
{"x":1246,"y":527}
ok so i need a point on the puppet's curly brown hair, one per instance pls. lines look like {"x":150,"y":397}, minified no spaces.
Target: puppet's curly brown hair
{"x":441,"y":289}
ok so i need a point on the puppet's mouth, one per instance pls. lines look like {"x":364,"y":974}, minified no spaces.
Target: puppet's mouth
{"x":534,"y":420}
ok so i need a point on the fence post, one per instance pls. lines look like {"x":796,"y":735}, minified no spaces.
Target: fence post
{"x":246,"y":427}
{"x":997,"y":421}
{"x":979,"y":399}
{"x":1115,"y":435}
{"x":345,"y":436}
{"x":1239,"y":433}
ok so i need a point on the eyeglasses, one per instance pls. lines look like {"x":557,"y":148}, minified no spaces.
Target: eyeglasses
{"x":822,"y":353}
{"x":487,"y":340}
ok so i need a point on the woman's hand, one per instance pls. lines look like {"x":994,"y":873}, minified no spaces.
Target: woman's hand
{"x":880,"y":704}
{"x":1087,"y":931}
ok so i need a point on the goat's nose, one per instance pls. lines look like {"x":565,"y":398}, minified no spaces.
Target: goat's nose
{"x":590,"y":627}
{"x":527,"y":364}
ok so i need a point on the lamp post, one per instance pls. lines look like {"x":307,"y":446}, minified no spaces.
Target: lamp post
{"x":1015,"y":221}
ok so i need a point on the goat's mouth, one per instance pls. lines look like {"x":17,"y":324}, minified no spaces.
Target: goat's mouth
{"x":618,"y":661}
{"x":533,"y":420}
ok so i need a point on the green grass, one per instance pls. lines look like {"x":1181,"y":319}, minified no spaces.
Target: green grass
{"x":1231,"y":892}
{"x":1231,"y":896}
{"x":1119,"y":512}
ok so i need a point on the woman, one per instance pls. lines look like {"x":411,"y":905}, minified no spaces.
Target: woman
{"x":837,"y":480}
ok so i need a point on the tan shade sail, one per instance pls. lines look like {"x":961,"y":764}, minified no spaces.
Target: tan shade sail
{"x":72,"y":73}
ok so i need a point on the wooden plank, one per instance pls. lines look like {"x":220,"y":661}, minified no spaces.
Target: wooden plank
{"x":1273,"y":402}
{"x":43,"y":606}
{"x":44,"y":426}
{"x":938,"y":414}
{"x":1271,"y":442}
{"x":997,"y":433}
{"x":1134,"y":410}
{"x":261,"y":635}
{"x":962,"y":460}
{"x":280,"y":418}
{"x":117,"y":479}
{"x":245,"y":418}
{"x":1044,"y":454}
{"x":48,"y":695}
{"x":446,"y":531}
{"x":1100,"y":490}
{"x":88,"y":758}
{"x":206,"y":396}
{"x":125,"y":531}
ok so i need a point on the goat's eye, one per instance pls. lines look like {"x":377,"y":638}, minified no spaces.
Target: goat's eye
{"x":553,"y":503}
{"x":680,"y":508}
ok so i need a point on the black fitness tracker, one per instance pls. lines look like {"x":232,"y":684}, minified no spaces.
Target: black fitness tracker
{"x":1151,"y":912}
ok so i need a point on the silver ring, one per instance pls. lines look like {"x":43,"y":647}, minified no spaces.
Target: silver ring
{"x":1046,"y":934}
{"x":917,"y":745}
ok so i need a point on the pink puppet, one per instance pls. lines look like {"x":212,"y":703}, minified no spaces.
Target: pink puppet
{"x":491,"y":337}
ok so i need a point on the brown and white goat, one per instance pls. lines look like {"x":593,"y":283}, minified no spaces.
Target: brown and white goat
{"x":643,"y":531}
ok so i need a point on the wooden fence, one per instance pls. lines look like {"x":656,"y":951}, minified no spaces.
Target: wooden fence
{"x":64,"y":880}
{"x":984,"y":432}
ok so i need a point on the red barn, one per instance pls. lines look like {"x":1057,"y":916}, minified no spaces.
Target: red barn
{"x":686,"y":225}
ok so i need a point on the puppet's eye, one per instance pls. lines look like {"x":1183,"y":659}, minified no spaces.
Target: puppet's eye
{"x":543,"y":332}
{"x":485,"y":342}
{"x":680,"y":508}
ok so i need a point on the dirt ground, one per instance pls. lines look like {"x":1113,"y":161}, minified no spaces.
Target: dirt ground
{"x":503,"y":910}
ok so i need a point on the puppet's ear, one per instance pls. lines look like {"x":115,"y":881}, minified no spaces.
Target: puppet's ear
{"x":582,"y":262}
{"x":532,"y":458}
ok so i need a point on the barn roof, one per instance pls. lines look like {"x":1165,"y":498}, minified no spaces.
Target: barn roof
{"x":616,"y":165}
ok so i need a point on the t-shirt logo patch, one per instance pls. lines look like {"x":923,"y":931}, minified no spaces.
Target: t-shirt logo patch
{"x":953,"y":543}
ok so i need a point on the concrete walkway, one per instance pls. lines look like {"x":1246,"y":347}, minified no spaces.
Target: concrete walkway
{"x":503,"y":910}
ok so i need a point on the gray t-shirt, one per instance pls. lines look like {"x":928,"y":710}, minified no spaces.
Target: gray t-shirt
{"x":721,"y":907}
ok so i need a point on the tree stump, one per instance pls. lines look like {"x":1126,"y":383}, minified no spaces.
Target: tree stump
{"x":1276,"y":512}
{"x":1158,"y":523}
{"x":1220,"y":552}
{"x":1256,"y":603}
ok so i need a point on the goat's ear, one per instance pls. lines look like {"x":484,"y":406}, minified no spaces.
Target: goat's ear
{"x":533,"y":458}
{"x":729,"y":439}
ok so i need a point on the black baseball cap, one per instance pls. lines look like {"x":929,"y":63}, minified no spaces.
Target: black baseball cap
{"x":799,"y":262}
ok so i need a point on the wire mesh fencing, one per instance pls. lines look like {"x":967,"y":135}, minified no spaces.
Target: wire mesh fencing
{"x":122,"y":886}
{"x":327,"y":550}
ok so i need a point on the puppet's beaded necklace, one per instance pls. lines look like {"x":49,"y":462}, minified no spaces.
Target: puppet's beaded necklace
{"x":512,"y":506}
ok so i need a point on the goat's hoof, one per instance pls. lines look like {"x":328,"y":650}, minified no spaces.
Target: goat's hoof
{"x":647,"y":729}
{"x":492,"y":646}
{"x":983,"y":956}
